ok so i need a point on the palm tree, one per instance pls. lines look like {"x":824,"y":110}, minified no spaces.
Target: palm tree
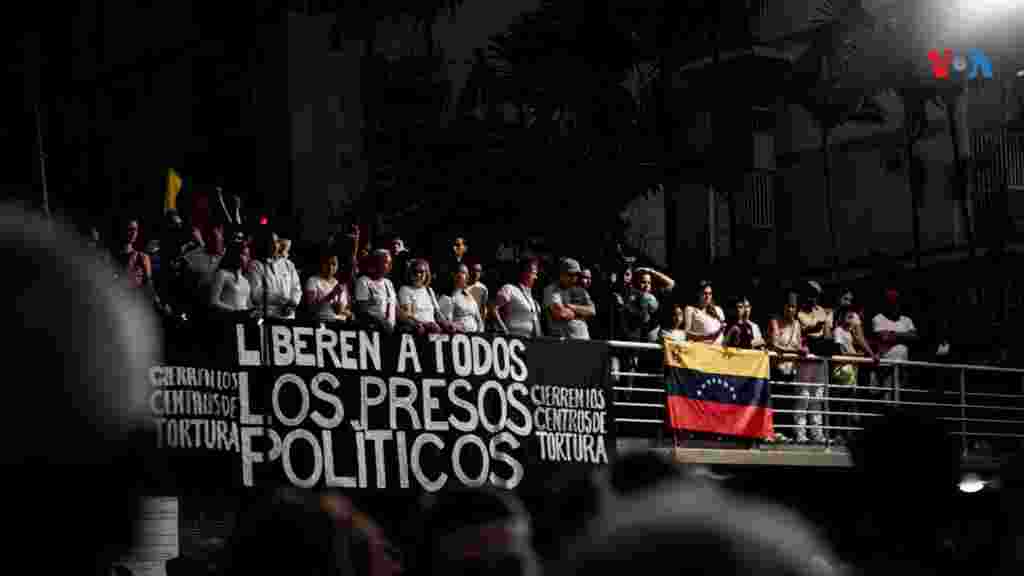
{"x":875,"y":55}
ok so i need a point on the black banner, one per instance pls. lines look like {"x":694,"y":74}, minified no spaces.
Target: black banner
{"x":316,"y":406}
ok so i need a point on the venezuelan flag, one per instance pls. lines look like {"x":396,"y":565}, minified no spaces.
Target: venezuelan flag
{"x":719,"y":390}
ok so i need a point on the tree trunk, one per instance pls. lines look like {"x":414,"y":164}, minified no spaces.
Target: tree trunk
{"x":670,"y":169}
{"x":960,"y":178}
{"x":826,"y":160}
{"x":716,"y":141}
{"x":428,"y":37}
{"x":367,"y":73}
{"x":912,"y":185}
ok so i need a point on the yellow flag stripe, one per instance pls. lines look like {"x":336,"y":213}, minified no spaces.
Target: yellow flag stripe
{"x":711,"y":359}
{"x":174,"y":184}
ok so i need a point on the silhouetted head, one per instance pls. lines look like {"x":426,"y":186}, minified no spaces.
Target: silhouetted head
{"x":286,"y":532}
{"x":703,"y":530}
{"x":476,"y":532}
{"x":82,"y":347}
{"x":642,"y":470}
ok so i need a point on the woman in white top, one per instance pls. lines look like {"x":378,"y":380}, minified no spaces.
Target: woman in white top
{"x":462,"y":308}
{"x":675,"y":331}
{"x":785,"y":337}
{"x":516,"y":310}
{"x":327,"y":298}
{"x":375,"y":298}
{"x":418,"y":309}
{"x":230,"y":291}
{"x":705,"y":322}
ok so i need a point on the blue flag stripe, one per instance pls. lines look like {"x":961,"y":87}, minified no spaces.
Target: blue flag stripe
{"x":725,"y":389}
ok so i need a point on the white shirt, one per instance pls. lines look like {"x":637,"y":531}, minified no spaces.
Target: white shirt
{"x":881,"y":323}
{"x":323,"y":309}
{"x":380,"y":297}
{"x":463,"y":310}
{"x":283,"y":287}
{"x":230,"y":291}
{"x":521,"y":313}
{"x":421,"y":301}
{"x":844,"y":338}
{"x":704,"y":324}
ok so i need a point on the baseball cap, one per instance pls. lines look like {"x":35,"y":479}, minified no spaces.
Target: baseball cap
{"x":571,"y":266}
{"x":814,"y":286}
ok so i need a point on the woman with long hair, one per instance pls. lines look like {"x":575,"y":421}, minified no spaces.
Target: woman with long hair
{"x":674,"y":327}
{"x":785,"y":337}
{"x":230,"y":291}
{"x":705,"y":322}
{"x":461,"y":307}
{"x":327,"y":298}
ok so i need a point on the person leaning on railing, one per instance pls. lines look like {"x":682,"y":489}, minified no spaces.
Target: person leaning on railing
{"x":849,"y":336}
{"x":744,"y":333}
{"x":784,"y":337}
{"x":705,"y":322}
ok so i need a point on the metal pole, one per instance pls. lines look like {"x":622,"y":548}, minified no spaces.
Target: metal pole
{"x":963,"y":412}
{"x":42,"y":161}
{"x":896,"y":383}
{"x":825,"y":420}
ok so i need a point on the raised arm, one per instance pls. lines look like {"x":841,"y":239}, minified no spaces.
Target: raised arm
{"x":661,"y":278}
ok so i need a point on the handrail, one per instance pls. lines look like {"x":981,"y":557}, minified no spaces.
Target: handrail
{"x":996,"y":421}
{"x":842,"y":359}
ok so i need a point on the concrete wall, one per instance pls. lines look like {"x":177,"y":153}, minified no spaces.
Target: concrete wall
{"x":326,"y":111}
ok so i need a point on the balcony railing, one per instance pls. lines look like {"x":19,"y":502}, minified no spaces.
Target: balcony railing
{"x":983,"y":406}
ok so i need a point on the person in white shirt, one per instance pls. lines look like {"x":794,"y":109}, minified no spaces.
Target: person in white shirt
{"x":895,"y":333}
{"x":477,"y":289}
{"x":375,"y":297}
{"x":568,"y":318}
{"x":327,"y":298}
{"x":461,"y":307}
{"x":418,"y":308}
{"x":230,"y":291}
{"x":849,"y":336}
{"x":517,"y":312}
{"x":676,"y":331}
{"x":705,"y":322}
{"x":276,"y":288}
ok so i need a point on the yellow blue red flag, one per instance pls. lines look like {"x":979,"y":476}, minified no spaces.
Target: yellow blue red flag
{"x":720,"y":390}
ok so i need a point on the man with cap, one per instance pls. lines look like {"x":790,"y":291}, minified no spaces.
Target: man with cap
{"x":568,"y":310}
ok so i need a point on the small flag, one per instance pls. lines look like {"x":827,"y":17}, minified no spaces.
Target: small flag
{"x":719,"y":390}
{"x":174,"y":185}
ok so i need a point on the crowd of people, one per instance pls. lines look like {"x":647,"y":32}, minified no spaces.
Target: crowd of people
{"x":90,"y":455}
{"x":222,"y":269}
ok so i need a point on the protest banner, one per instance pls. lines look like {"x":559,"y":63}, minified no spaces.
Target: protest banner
{"x":314,"y":406}
{"x":359,"y":410}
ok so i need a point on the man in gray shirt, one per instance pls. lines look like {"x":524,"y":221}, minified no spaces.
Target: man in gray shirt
{"x":568,"y":306}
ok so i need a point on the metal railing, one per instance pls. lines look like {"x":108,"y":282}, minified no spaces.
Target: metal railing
{"x":983,"y":405}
